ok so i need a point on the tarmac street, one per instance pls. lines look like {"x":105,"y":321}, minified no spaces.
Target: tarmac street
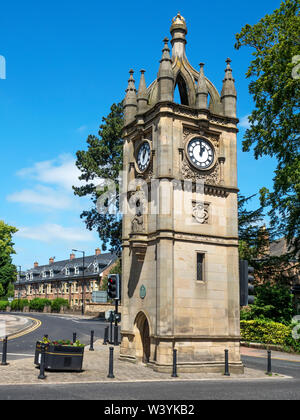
{"x":134,"y":381}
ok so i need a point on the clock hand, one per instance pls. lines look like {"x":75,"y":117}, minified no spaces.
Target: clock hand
{"x":202,"y":148}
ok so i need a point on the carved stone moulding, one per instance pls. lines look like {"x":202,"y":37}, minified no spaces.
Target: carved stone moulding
{"x":139,"y":248}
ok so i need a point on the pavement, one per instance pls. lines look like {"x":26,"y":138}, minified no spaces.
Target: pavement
{"x":95,"y":370}
{"x":276,"y":355}
{"x":95,"y":364}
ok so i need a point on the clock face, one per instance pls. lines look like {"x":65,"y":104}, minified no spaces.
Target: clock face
{"x":143,"y":156}
{"x":200,"y":153}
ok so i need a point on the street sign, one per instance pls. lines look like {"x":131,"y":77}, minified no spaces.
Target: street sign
{"x":99,"y":296}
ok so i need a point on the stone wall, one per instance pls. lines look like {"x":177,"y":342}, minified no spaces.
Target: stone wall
{"x":99,"y":309}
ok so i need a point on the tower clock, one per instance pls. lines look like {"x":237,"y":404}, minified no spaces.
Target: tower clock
{"x":180,"y":263}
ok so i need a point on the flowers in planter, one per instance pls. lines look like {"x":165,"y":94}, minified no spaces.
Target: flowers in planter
{"x":46,"y":340}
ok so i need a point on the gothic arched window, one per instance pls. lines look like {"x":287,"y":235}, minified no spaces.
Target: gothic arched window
{"x":180,"y":91}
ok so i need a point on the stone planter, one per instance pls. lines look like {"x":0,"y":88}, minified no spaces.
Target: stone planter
{"x":60,"y":358}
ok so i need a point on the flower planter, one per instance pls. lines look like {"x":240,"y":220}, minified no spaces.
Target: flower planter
{"x":60,"y":358}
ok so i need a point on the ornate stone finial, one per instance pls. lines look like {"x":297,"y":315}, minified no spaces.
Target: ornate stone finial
{"x":165,"y":77}
{"x":142,"y":95}
{"x":202,"y":91}
{"x":178,"y":22}
{"x":130,"y":101}
{"x":228,"y":94}
{"x":178,"y":31}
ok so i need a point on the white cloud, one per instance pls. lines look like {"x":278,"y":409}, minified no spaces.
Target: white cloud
{"x":43,"y":196}
{"x":244,"y":122}
{"x":50,"y":232}
{"x":82,"y":128}
{"x":61,"y":172}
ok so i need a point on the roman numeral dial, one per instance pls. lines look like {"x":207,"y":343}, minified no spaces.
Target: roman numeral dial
{"x":200,"y":153}
{"x":144,"y":156}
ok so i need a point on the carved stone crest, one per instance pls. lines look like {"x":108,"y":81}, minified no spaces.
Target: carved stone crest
{"x":201,"y":213}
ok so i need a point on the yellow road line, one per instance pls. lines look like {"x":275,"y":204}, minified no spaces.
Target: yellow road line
{"x":36,"y":324}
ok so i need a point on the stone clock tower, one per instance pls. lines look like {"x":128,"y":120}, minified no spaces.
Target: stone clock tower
{"x":180,"y":281}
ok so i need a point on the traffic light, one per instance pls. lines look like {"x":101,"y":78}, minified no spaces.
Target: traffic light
{"x":246,"y":284}
{"x":113,"y":286}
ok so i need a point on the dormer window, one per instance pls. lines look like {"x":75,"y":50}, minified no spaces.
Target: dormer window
{"x":44,"y":274}
{"x":27,"y":276}
{"x":76,"y":269}
{"x":96,"y":268}
{"x":31,"y":276}
{"x":67,"y":271}
{"x":51,"y":273}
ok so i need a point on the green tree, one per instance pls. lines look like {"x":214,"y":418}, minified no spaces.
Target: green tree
{"x":275,"y":119}
{"x":2,"y":292}
{"x":7,"y":269}
{"x":103,"y":159}
{"x":251,"y":240}
{"x":273,"y":302}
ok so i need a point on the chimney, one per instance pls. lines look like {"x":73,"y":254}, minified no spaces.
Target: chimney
{"x":36,"y":264}
{"x":97,"y":251}
{"x":72,"y":256}
{"x":51,"y":260}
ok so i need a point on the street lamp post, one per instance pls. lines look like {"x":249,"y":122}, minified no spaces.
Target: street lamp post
{"x":19,"y":285}
{"x":83,"y":258}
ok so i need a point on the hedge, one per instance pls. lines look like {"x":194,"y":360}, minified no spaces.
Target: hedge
{"x":3,"y":305}
{"x":18,"y":304}
{"x":38,"y":304}
{"x":56,"y":304}
{"x":269,"y":332}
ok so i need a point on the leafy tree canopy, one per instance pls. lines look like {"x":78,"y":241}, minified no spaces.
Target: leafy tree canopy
{"x":103,"y":159}
{"x":7,"y":269}
{"x":275,"y":120}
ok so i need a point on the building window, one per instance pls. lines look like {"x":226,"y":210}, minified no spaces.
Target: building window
{"x":44,"y":275}
{"x":51,"y":273}
{"x":76,"y":268}
{"x":200,"y":266}
{"x":31,"y":276}
{"x":96,"y":268}
{"x":67,"y":271}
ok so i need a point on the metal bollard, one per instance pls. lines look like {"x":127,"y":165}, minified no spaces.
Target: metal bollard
{"x":43,"y":362}
{"x":4,"y":352}
{"x":269,"y":369}
{"x":92,"y":341}
{"x":111,"y":363}
{"x":74,"y":337}
{"x":105,"y":341}
{"x":226,"y":373}
{"x":116,"y":335}
{"x":174,"y":373}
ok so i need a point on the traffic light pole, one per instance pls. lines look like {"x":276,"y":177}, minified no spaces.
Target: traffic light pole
{"x":116,"y":332}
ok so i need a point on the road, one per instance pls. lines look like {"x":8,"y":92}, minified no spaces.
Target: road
{"x":57,"y":326}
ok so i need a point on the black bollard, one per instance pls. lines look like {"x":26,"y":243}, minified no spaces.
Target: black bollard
{"x":4,"y":352}
{"x":92,"y":341}
{"x":174,"y":373}
{"x":226,"y":373}
{"x":43,"y":362}
{"x":116,"y":335}
{"x":74,"y":337}
{"x":105,"y":341}
{"x":269,"y":369}
{"x":111,"y":363}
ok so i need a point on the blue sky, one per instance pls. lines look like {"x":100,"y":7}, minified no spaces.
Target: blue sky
{"x":66,"y":63}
